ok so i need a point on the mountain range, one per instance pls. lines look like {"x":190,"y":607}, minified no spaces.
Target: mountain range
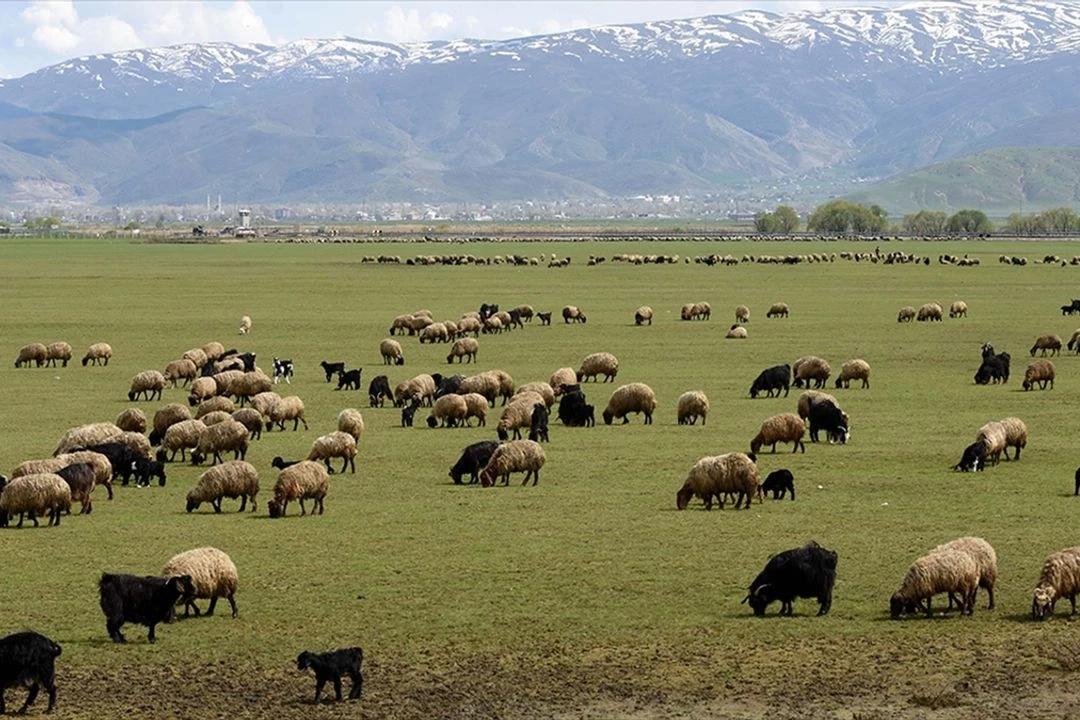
{"x":703,"y":105}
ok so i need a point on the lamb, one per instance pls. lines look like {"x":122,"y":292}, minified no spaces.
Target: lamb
{"x":379,"y":391}
{"x":477,"y":407}
{"x":182,"y":369}
{"x":182,"y":436}
{"x":601,"y":363}
{"x":81,"y":479}
{"x":473,"y":458}
{"x":463,"y":348}
{"x":715,"y":476}
{"x":98,"y":353}
{"x":144,"y":468}
{"x":351,"y":421}
{"x":337,"y":444}
{"x":736,"y":332}
{"x":285,"y":409}
{"x":947,"y":571}
{"x":973,"y":459}
{"x":930,"y":311}
{"x":332,"y":369}
{"x":778,"y":310}
{"x":213,"y":575}
{"x":218,"y":403}
{"x":779,"y":483}
{"x":772,"y":380}
{"x":994,"y":436}
{"x":245,"y":325}
{"x":349,"y":380}
{"x":84,"y":435}
{"x":631,"y":398}
{"x":250,"y":418}
{"x":643,"y":315}
{"x":330,"y":666}
{"x":853,"y":370}
{"x":574,"y":411}
{"x":34,"y":352}
{"x":985,"y":560}
{"x":958,"y":309}
{"x":538,"y":423}
{"x":906,"y":314}
{"x":202,"y":389}
{"x":132,"y":420}
{"x":742,"y":314}
{"x":572,"y":313}
{"x":786,"y":428}
{"x":545,"y":318}
{"x":148,"y":382}
{"x":517,"y":415}
{"x":540,"y":388}
{"x":1047,"y":342}
{"x":692,"y":405}
{"x":1060,"y":577}
{"x":144,"y":600}
{"x":232,"y":479}
{"x":525,"y":456}
{"x":407,"y":413}
{"x":805,"y":572}
{"x":57,"y":351}
{"x":284,"y":369}
{"x":391,"y":352}
{"x":811,"y":368}
{"x":304,"y":480}
{"x":28,"y":659}
{"x":222,"y":437}
{"x":1015,"y":435}
{"x":562,"y":377}
{"x":44,"y":494}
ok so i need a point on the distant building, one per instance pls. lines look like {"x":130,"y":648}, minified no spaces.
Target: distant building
{"x":282,"y":214}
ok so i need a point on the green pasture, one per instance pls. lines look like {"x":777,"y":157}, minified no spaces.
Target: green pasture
{"x":595,"y":560}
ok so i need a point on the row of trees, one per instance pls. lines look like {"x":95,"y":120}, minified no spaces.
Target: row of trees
{"x":935,"y":222}
{"x":1057,"y":220}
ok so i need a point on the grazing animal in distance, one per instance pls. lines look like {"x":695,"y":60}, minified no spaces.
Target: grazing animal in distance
{"x":283,"y":370}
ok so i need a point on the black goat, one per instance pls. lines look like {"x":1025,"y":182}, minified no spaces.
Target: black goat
{"x":472,"y":461}
{"x":538,"y":426}
{"x":779,"y":483}
{"x":144,"y":600}
{"x":120,"y":456}
{"x":805,"y":572}
{"x":487,"y":310}
{"x":28,"y":659}
{"x":545,"y":318}
{"x":446,"y":385}
{"x":407,"y":413}
{"x":994,"y":367}
{"x":330,"y":666}
{"x":332,"y":369}
{"x":573,"y":411}
{"x":248,"y":359}
{"x":143,"y":469}
{"x":772,"y":380}
{"x":379,"y":391}
{"x":349,"y":380}
{"x":824,"y":415}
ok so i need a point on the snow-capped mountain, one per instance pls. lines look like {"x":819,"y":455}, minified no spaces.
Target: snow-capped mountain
{"x":678,"y":104}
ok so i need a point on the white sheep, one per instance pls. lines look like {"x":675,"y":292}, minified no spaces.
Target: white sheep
{"x":201,"y":389}
{"x":213,"y":350}
{"x":98,"y":353}
{"x":215,"y":417}
{"x":245,"y":325}
{"x":742,"y":314}
{"x":182,"y":369}
{"x":506,"y":383}
{"x":856,"y":369}
{"x":42,"y":494}
{"x":985,"y":559}
{"x":810,"y":368}
{"x":958,"y":309}
{"x":1016,"y":435}
{"x":600,"y":363}
{"x":631,"y":398}
{"x":736,"y":332}
{"x":572,"y":313}
{"x":87,"y":435}
{"x":562,"y":377}
{"x":540,"y":388}
{"x":716,"y":476}
{"x":463,"y":348}
{"x":783,"y":428}
{"x":481,"y":384}
{"x":391,"y":352}
{"x":103,"y":470}
{"x":1060,"y":577}
{"x":778,"y":310}
{"x":225,"y":436}
{"x":994,"y":437}
{"x":906,"y":314}
{"x":517,"y":415}
{"x":57,"y":351}
{"x":643,"y":315}
{"x":148,"y":382}
{"x":515,"y":456}
{"x":264,"y":401}
{"x":213,"y":575}
{"x":182,"y":436}
{"x":305,"y":480}
{"x":218,"y":403}
{"x":250,"y":418}
{"x":451,"y":410}
{"x":692,"y":405}
{"x":232,"y":479}
{"x":197,"y":356}
{"x":132,"y":420}
{"x":930,"y":311}
{"x":337,"y":444}
{"x":351,"y":421}
{"x":477,"y":406}
{"x":250,"y":384}
{"x":35,"y":353}
{"x":285,"y":409}
{"x":947,"y":571}
{"x":421,"y":388}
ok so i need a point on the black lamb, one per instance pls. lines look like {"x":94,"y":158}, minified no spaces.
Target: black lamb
{"x":28,"y":659}
{"x":144,"y":600}
{"x":473,"y":459}
{"x":772,"y":380}
{"x":805,"y":572}
{"x":349,"y":380}
{"x":379,"y":391}
{"x":827,"y":416}
{"x":545,"y":318}
{"x":779,"y":483}
{"x":330,"y":666}
{"x":332,"y":369}
{"x":538,"y":426}
{"x":408,"y":412}
{"x":144,"y":469}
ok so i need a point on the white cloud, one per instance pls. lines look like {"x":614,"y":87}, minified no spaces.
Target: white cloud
{"x":400,"y":25}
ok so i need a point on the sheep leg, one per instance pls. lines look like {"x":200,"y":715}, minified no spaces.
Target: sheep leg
{"x":302,"y":510}
{"x":232,"y":603}
{"x":337,"y":687}
{"x":357,"y":683}
{"x":929,"y":612}
{"x":1072,"y":600}
{"x":216,"y":504}
{"x":30,"y":698}
{"x":330,"y":470}
{"x":243,"y":503}
{"x":209,"y":610}
{"x":352,"y":465}
{"x":151,"y":637}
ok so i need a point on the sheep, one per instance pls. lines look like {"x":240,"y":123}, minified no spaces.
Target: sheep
{"x":525,"y":456}
{"x":144,"y":600}
{"x":215,"y":417}
{"x":84,"y":435}
{"x":225,"y":379}
{"x":643,"y":315}
{"x":929,"y":312}
{"x":561,"y":377}
{"x":285,"y":409}
{"x":994,"y":436}
{"x":601,"y":363}
{"x":906,"y":314}
{"x":218,"y":403}
{"x":463,"y":348}
{"x":958,"y":309}
{"x":572,"y":313}
{"x":148,"y":382}
{"x":736,"y":332}
{"x":538,"y":423}
{"x":525,"y":312}
{"x":778,"y":310}
{"x":337,"y":444}
{"x":132,"y":420}
{"x":1060,"y":577}
{"x":330,"y":666}
{"x":545,"y":318}
{"x":182,"y":436}
{"x":351,"y":421}
{"x":1041,"y":372}
{"x":44,"y":494}
{"x":98,"y":352}
{"x":249,"y":385}
{"x":1074,"y":341}
{"x":245,"y":325}
{"x":947,"y":571}
{"x":506,"y":384}
{"x":715,"y":476}
{"x":702,"y":310}
{"x":772,"y":380}
{"x":232,"y":479}
{"x":433,"y":333}
{"x":786,"y":428}
{"x":197,"y":356}
{"x":492,"y":325}
{"x":826,"y":415}
{"x":391,"y":352}
{"x":401,"y":323}
{"x":28,"y":659}
{"x":213,"y":575}
{"x":985,"y":559}
{"x":779,"y":483}
{"x":182,"y":369}
{"x":422,"y":387}
{"x":517,"y":415}
{"x":1015,"y":435}
{"x":853,"y":370}
{"x":417,"y":323}
{"x":540,"y":388}
{"x":103,"y":470}
{"x":202,"y":389}
{"x":34,"y":352}
{"x":810,"y":368}
{"x":1046,"y":342}
{"x":219,"y":438}
{"x":692,"y":405}
{"x":742,"y":314}
{"x":306,"y":479}
{"x":631,"y":398}
{"x":476,"y":406}
{"x":470,"y":325}
{"x":805,"y":572}
{"x":213,"y":350}
{"x":263,"y":402}
{"x":57,"y":351}
{"x":250,"y":418}
{"x":473,"y":459}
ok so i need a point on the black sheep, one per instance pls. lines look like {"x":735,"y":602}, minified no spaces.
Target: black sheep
{"x":772,"y":380}
{"x":349,"y":380}
{"x":805,"y":572}
{"x":974,"y":458}
{"x":446,"y":385}
{"x":81,"y":478}
{"x":330,"y":666}
{"x":249,"y":361}
{"x":28,"y":659}
{"x":826,"y":416}
{"x":379,"y":391}
{"x":144,"y":600}
{"x":332,"y":369}
{"x":779,"y":483}
{"x":573,"y":412}
{"x":120,"y":456}
{"x":472,"y":461}
{"x":538,"y":426}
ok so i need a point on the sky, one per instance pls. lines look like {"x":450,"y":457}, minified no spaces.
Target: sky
{"x":38,"y":33}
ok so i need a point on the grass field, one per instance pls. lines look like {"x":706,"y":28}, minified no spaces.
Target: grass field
{"x":588,"y":595}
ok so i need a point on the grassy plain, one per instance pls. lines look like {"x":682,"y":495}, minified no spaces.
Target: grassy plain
{"x":588,"y":595}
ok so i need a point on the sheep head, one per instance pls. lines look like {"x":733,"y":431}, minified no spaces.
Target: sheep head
{"x":1042,"y":603}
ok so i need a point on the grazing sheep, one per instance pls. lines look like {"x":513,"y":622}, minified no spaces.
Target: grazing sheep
{"x":525,"y":312}
{"x":783,"y":428}
{"x":473,"y":459}
{"x":477,"y":406}
{"x":213,"y":575}
{"x":1074,"y":341}
{"x":742,"y":314}
{"x":250,"y":418}
{"x":1046,"y":342}
{"x":483,"y":384}
{"x":337,"y":444}
{"x":422,"y":387}
{"x":218,"y":403}
{"x":985,"y":559}
{"x":930,"y":311}
{"x":285,"y":409}
{"x":853,"y":370}
{"x":223,"y":437}
{"x":463,"y":348}
{"x":771,"y":380}
{"x":1015,"y":435}
{"x":248,"y":385}
{"x":245,"y":325}
{"x":525,"y":456}
{"x":540,"y":388}
{"x":736,"y":332}
{"x":994,"y":436}
{"x":391,"y":352}
{"x":165,"y":418}
{"x":351,"y":421}
{"x":518,"y":415}
{"x":98,"y":353}
{"x":146,"y":600}
{"x":305,"y":480}
{"x":810,"y":368}
{"x":330,"y":666}
{"x":733,"y":473}
{"x":213,"y":350}
{"x":778,"y":310}
{"x":601,"y":363}
{"x":572,"y":313}
{"x":232,"y":479}
{"x":779,"y":483}
{"x":906,"y":314}
{"x":183,"y":436}
{"x":433,"y":333}
{"x":85,"y":435}
{"x":202,"y":389}
{"x":57,"y":351}
{"x":28,"y":659}
{"x":631,"y":398}
{"x":182,"y":369}
{"x":827,"y":415}
{"x":805,"y":572}
{"x":379,"y":391}
{"x":132,"y":420}
{"x":224,"y":380}
{"x":197,"y":356}
{"x":692,"y":405}
{"x":561,"y":377}
{"x":1060,"y":577}
{"x":148,"y":382}
{"x":1041,"y":372}
{"x":213,"y":418}
{"x":41,"y":494}
{"x":264,"y":401}
{"x":506,"y":384}
{"x":103,"y":470}
{"x":34,"y":352}
{"x":643,"y":315}
{"x":958,"y":309}
{"x":947,"y":571}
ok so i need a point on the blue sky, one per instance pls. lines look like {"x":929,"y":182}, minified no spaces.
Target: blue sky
{"x":37,"y":33}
